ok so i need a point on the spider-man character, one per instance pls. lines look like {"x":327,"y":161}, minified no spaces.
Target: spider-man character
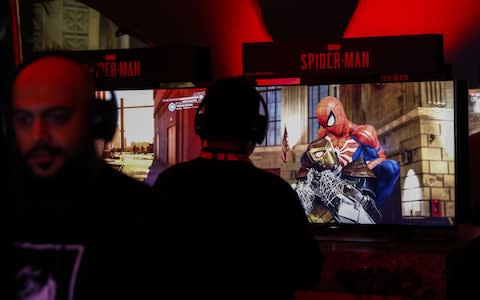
{"x":352,"y":141}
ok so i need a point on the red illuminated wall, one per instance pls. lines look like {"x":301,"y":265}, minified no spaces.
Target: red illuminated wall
{"x":230,"y":24}
{"x":187,"y":142}
{"x":457,"y":20}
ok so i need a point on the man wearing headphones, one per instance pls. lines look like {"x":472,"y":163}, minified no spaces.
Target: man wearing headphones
{"x":90,"y":226}
{"x":251,"y":237}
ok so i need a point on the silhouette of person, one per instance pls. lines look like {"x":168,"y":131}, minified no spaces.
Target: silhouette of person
{"x":251,"y":236}
{"x":66,"y":197}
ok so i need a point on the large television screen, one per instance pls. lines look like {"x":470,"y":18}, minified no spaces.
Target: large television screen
{"x":370,"y":153}
{"x":362,"y":153}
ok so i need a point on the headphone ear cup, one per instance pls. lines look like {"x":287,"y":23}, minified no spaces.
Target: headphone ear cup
{"x":197,"y":124}
{"x":200,"y":125}
{"x":200,"y":121}
{"x":261,"y":129}
{"x":111,"y":119}
{"x":104,"y":118}
{"x":262,"y":121}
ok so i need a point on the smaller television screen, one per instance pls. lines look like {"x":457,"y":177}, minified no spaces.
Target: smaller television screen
{"x":131,"y":149}
{"x":148,"y":139}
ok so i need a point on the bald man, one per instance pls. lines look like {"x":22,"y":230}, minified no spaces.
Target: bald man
{"x":51,"y":100}
{"x":98,"y":232}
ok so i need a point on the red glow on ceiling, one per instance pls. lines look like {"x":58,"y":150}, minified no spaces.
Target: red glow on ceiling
{"x":455,"y":19}
{"x":230,"y":24}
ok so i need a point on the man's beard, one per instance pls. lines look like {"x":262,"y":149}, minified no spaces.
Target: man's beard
{"x":75,"y":167}
{"x":44,"y":150}
{"x":57,"y":193}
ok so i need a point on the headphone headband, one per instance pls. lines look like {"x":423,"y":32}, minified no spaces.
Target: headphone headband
{"x":217,"y":120}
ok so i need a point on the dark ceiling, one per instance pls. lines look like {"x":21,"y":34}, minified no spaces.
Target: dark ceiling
{"x":307,"y":19}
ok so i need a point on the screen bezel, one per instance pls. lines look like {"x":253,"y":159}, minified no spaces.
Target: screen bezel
{"x":364,"y":232}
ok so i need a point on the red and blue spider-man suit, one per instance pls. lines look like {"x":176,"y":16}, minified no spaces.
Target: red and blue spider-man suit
{"x":352,"y":141}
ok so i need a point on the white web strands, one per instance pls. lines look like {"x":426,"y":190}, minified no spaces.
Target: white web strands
{"x":325,"y":185}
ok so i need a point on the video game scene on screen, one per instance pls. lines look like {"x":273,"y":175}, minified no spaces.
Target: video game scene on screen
{"x":370,"y":153}
{"x":383,"y":153}
{"x":345,"y":174}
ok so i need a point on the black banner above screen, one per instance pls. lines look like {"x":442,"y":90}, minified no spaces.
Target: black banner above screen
{"x":146,"y":68}
{"x":391,"y":58}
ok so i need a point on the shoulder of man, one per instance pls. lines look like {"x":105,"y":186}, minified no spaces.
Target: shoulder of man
{"x":120,"y":183}
{"x":172,"y":173}
{"x":274,"y":179}
{"x":131,"y":196}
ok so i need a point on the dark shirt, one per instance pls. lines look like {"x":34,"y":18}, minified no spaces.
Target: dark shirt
{"x":105,"y":236}
{"x":251,"y":237}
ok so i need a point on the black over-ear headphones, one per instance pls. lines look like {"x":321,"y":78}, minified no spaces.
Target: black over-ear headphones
{"x":103,"y":112}
{"x":104,"y":117}
{"x":212,"y":126}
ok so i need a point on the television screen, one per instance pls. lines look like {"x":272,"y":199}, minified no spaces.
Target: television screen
{"x":366,"y":153}
{"x":361,"y":153}
{"x":131,"y":149}
{"x":154,"y":130}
